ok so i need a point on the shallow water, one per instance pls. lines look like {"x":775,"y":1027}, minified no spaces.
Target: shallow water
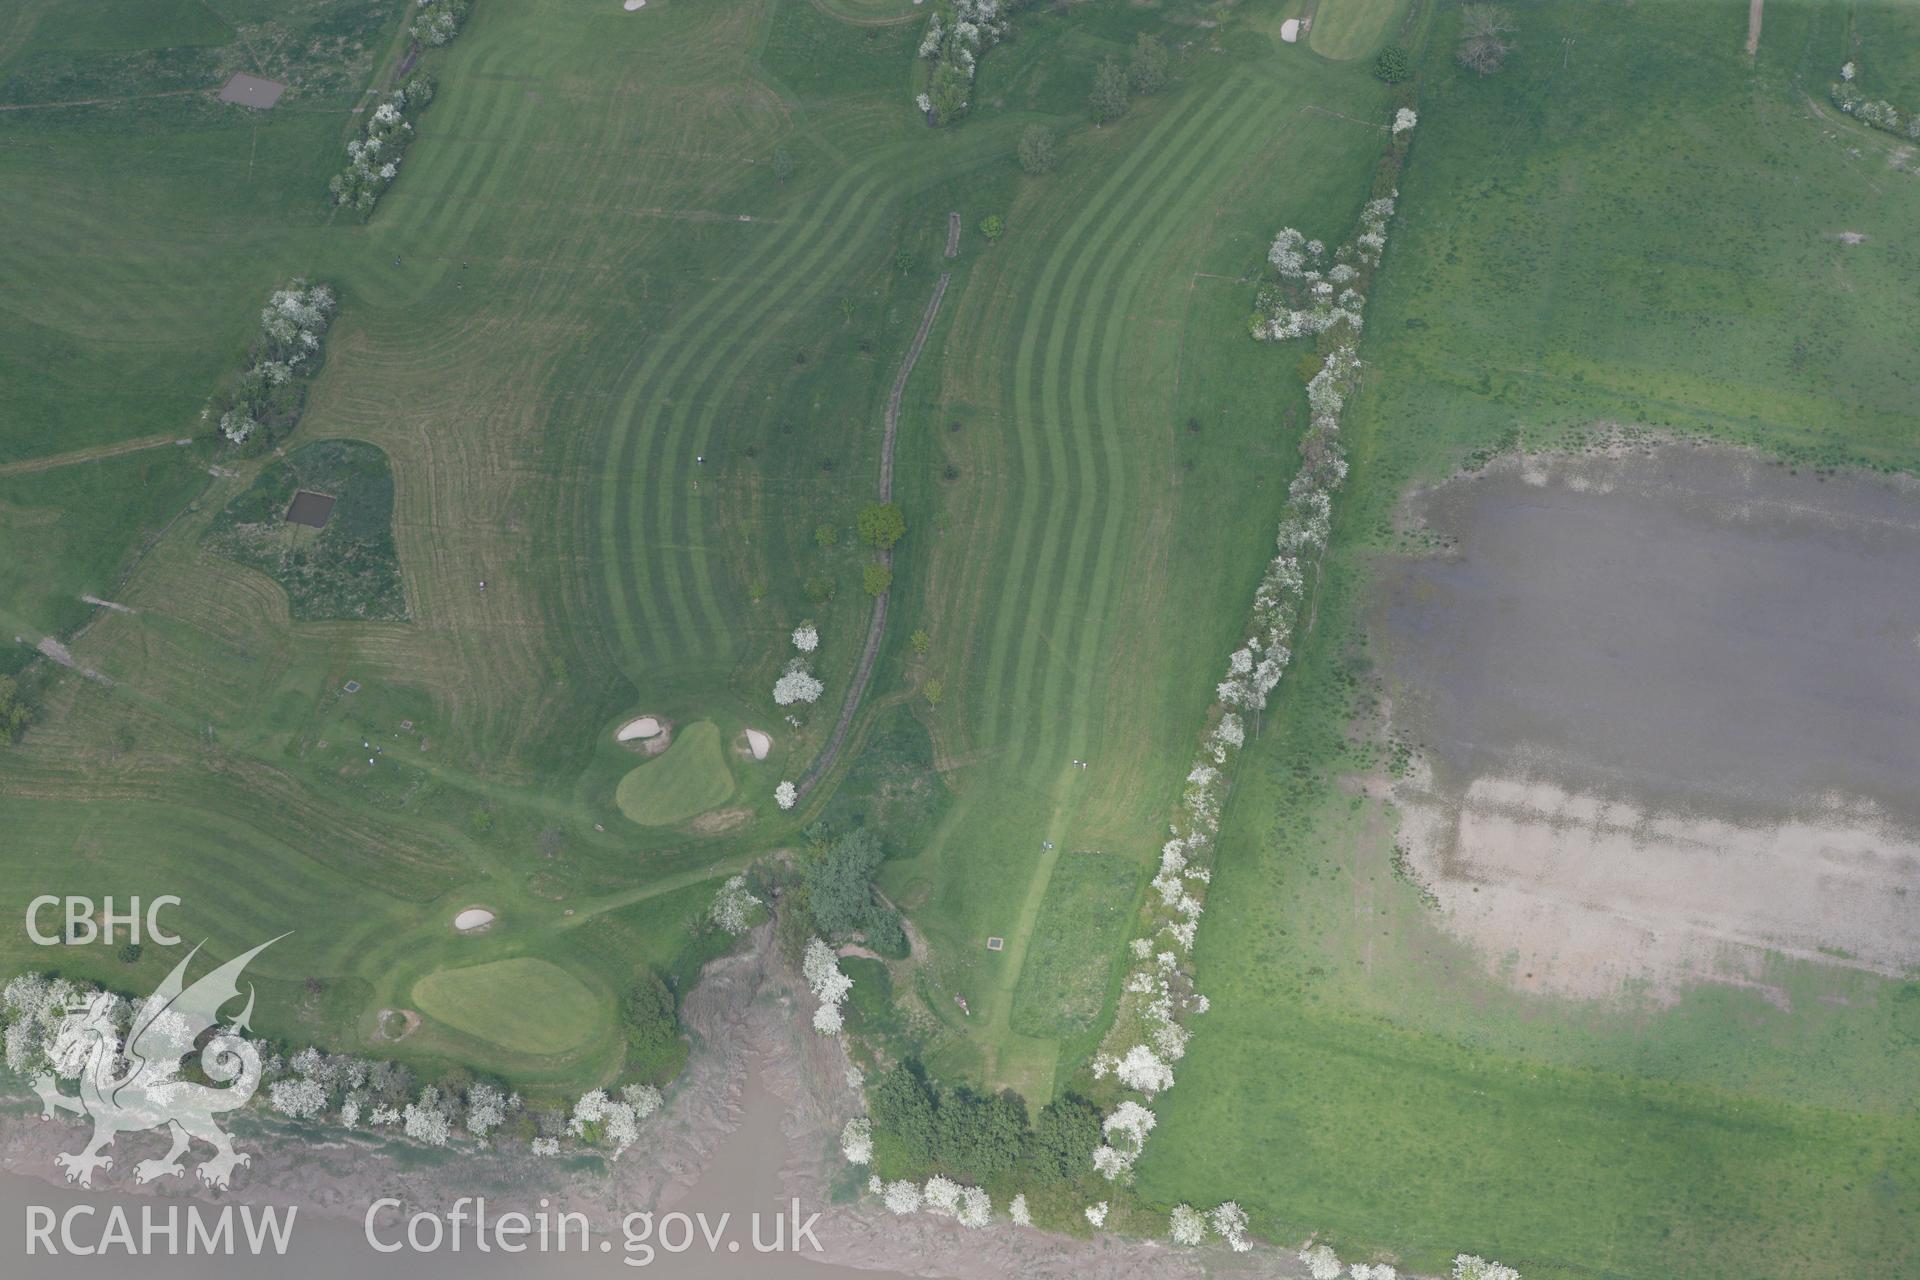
{"x":743,"y":1178}
{"x":1692,"y":628}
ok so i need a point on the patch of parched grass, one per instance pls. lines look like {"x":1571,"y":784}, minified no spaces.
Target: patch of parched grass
{"x":691,"y":778}
{"x":1068,"y":975}
{"x":525,"y":1005}
{"x":349,"y":569}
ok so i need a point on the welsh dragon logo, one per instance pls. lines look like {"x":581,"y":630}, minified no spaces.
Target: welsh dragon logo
{"x":135,"y":1085}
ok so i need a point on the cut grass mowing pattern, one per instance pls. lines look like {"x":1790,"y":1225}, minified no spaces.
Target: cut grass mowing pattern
{"x":526,"y":1005}
{"x":691,"y":778}
{"x":1352,"y":28}
{"x":1080,"y":937}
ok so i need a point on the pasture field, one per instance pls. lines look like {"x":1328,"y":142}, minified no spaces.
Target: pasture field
{"x":1627,"y":224}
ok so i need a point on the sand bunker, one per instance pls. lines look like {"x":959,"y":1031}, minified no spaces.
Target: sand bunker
{"x":1665,"y":709}
{"x":758,"y":743}
{"x":1290,"y":30}
{"x":473,"y":919}
{"x":631,"y":5}
{"x":638,"y":729}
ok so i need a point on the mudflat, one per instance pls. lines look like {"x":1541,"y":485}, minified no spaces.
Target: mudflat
{"x":1668,"y":706}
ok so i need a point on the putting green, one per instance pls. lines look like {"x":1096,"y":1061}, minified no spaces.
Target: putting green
{"x":690,"y":778}
{"x":526,"y":1005}
{"x":1349,"y":28}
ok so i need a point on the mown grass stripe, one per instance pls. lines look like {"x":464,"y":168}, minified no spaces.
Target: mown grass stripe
{"x":630,"y":580}
{"x":1067,"y":314}
{"x":677,"y":521}
{"x":1191,"y":185}
{"x":999,"y":711}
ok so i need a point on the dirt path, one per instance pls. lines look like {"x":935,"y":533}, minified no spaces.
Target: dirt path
{"x":876,"y":629}
{"x":100,"y":102}
{"x":953,"y":234}
{"x":1753,"y":25}
{"x":30,"y":465}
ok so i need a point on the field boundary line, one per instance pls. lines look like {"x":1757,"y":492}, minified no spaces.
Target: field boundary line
{"x":876,"y":629}
{"x":102,"y":102}
{"x":97,"y":453}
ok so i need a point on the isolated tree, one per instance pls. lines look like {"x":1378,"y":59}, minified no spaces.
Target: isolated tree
{"x":1037,"y":149}
{"x":934,"y":691}
{"x":651,"y":1023}
{"x":1109,"y":96}
{"x":1393,"y":65}
{"x":1484,"y":29}
{"x":921,"y":640}
{"x":877,"y":579}
{"x":949,"y":93}
{"x":1147,"y":72}
{"x":14,"y":712}
{"x":840,"y":883}
{"x":992,"y":226}
{"x":881,"y":524}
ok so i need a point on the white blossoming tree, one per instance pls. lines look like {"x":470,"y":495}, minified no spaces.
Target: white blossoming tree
{"x":786,"y":795}
{"x":806,"y":637}
{"x":1186,"y":1224}
{"x":1229,"y":1222}
{"x":821,"y":967}
{"x":903,"y":1197}
{"x":856,"y":1140}
{"x":1321,"y":1262}
{"x":797,"y":684}
{"x":735,"y":909}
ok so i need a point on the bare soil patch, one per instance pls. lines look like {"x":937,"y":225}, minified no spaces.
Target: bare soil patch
{"x":398,"y":1024}
{"x":252,"y":91}
{"x":1665,"y":702}
{"x":719,"y":820}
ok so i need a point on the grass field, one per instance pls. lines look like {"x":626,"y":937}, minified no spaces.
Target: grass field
{"x":622,"y":333}
{"x":1095,"y":429}
{"x":1352,"y":28}
{"x":1564,"y":256}
{"x":690,"y":778}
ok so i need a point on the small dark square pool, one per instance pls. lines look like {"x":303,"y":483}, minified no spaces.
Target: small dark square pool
{"x":310,"y":509}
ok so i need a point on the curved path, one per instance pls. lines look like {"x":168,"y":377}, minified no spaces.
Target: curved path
{"x":876,"y":629}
